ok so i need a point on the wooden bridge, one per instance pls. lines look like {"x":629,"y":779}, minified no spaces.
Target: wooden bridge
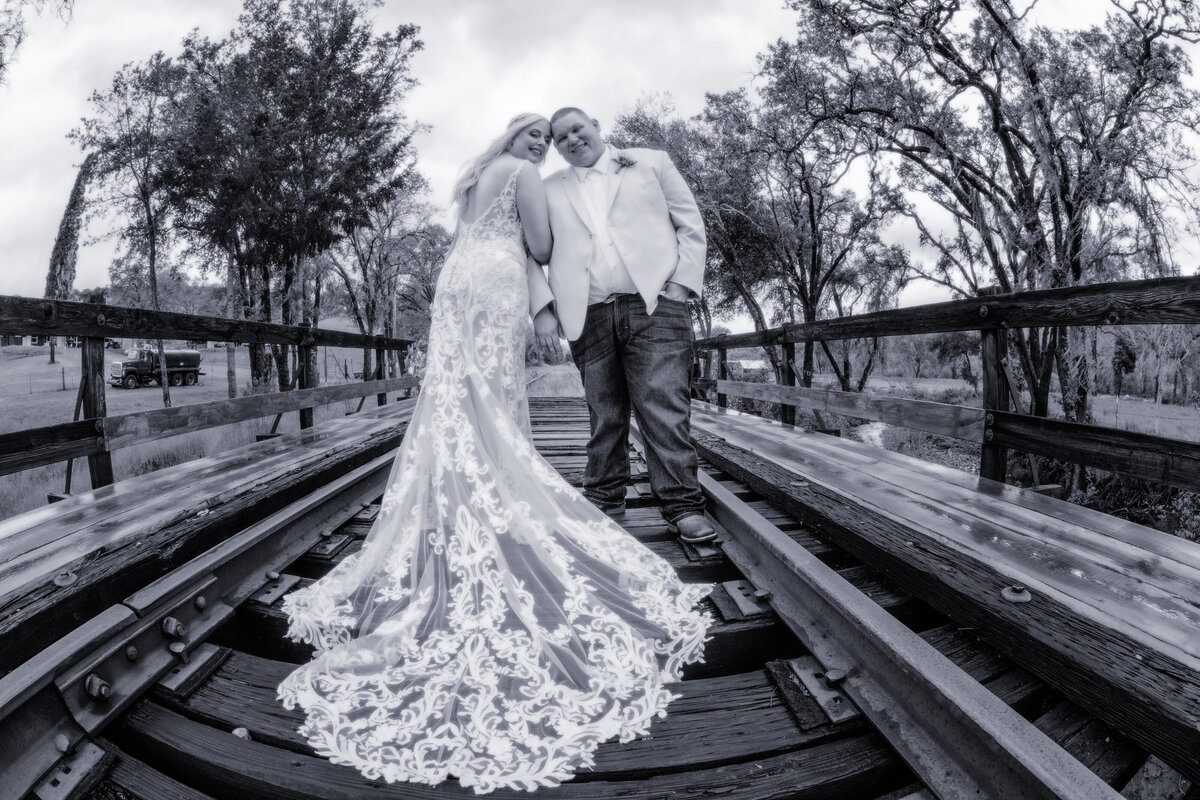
{"x":886,"y":628}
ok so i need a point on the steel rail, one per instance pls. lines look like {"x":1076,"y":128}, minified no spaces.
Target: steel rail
{"x":55,"y":701}
{"x":958,"y":738}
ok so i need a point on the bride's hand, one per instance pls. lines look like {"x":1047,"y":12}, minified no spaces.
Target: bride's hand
{"x":545,"y":328}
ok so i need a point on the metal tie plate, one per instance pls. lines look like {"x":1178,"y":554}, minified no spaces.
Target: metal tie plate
{"x":822,"y":684}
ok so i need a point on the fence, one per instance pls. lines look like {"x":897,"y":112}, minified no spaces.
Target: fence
{"x":994,"y":426}
{"x":97,"y":434}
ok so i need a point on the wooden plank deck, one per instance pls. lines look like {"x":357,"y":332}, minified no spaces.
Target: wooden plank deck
{"x":743,"y":727}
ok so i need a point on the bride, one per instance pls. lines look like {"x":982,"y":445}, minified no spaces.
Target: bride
{"x":495,"y":627}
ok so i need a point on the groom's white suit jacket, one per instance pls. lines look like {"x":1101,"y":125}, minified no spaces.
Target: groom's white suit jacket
{"x":653,"y":221}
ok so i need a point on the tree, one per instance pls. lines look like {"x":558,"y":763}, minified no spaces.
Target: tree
{"x":131,"y":135}
{"x":12,"y":25}
{"x":1124,"y":361}
{"x":388,"y":262}
{"x":60,"y":277}
{"x":290,"y":134}
{"x":1034,"y":158}
{"x":955,"y":349}
{"x":783,"y":228}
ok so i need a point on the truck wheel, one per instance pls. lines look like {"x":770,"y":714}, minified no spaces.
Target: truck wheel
{"x":130,"y":382}
{"x":190,"y":379}
{"x":176,"y":379}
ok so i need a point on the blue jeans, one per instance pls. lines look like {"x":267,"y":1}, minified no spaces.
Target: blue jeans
{"x":630,"y":359}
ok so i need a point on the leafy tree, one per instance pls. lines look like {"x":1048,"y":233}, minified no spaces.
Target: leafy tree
{"x":955,"y":349}
{"x":1034,"y":157}
{"x":1124,"y":361}
{"x":60,"y":277}
{"x":290,"y":133}
{"x":12,"y":25}
{"x":388,"y":262}
{"x":130,"y":133}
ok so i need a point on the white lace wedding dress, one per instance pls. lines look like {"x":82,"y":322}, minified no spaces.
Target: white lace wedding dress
{"x":495,"y":626}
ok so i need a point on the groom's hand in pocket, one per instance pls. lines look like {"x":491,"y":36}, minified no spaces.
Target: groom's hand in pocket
{"x":675,"y":291}
{"x":545,"y":329}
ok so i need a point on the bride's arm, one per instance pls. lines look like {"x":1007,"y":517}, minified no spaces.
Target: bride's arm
{"x":535,"y":215}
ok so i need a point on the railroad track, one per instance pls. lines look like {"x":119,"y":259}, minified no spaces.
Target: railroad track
{"x":821,"y":681}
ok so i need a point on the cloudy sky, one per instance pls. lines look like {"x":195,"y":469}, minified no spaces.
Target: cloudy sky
{"x":484,"y":61}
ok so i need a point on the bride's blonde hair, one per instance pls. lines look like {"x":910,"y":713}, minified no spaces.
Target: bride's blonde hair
{"x":474,"y":168}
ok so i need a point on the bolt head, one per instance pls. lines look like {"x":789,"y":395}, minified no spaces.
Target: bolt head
{"x":96,"y":687}
{"x":201,"y":603}
{"x":131,"y":653}
{"x":983,"y":311}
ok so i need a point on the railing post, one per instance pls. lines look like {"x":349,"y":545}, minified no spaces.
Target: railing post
{"x":993,"y":458}
{"x":95,"y":407}
{"x":722,"y":374}
{"x":401,"y":366}
{"x":787,"y":413}
{"x":306,"y":380}
{"x":381,"y":371}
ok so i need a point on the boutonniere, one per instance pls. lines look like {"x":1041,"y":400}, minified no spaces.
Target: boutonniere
{"x":624,"y":161}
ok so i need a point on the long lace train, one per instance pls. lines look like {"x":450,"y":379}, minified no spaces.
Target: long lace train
{"x":495,"y":626}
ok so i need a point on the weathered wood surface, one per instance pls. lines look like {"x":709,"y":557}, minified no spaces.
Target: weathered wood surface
{"x":717,"y":720}
{"x":24,"y":316}
{"x":1159,"y":301}
{"x":21,"y":450}
{"x":226,"y":766}
{"x":118,"y":540}
{"x":1151,"y":458}
{"x":943,"y":419}
{"x":1113,"y":627}
{"x":1075,"y":526}
{"x":100,"y":468}
{"x":36,"y":447}
{"x":993,"y":456}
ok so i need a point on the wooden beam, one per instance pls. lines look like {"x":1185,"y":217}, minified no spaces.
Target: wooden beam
{"x":21,"y":450}
{"x":142,"y":426}
{"x":787,"y":412}
{"x":94,"y":406}
{"x":961,"y":422}
{"x":722,"y":375}
{"x":306,"y":380}
{"x":1152,"y":302}
{"x":23,"y":315}
{"x":1151,"y":458}
{"x":993,"y":456}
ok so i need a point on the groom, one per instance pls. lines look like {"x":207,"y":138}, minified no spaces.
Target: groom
{"x":628,"y":254}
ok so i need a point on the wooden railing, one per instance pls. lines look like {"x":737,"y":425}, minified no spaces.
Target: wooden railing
{"x":994,"y":427}
{"x":97,"y":435}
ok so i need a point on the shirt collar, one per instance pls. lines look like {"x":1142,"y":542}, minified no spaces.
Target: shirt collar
{"x":603,"y":164}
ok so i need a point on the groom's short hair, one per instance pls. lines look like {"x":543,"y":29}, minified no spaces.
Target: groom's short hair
{"x":562,"y":112}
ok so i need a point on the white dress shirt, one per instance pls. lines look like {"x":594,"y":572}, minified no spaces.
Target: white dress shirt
{"x":608,"y":273}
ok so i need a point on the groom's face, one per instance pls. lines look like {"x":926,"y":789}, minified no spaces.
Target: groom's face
{"x":577,"y":139}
